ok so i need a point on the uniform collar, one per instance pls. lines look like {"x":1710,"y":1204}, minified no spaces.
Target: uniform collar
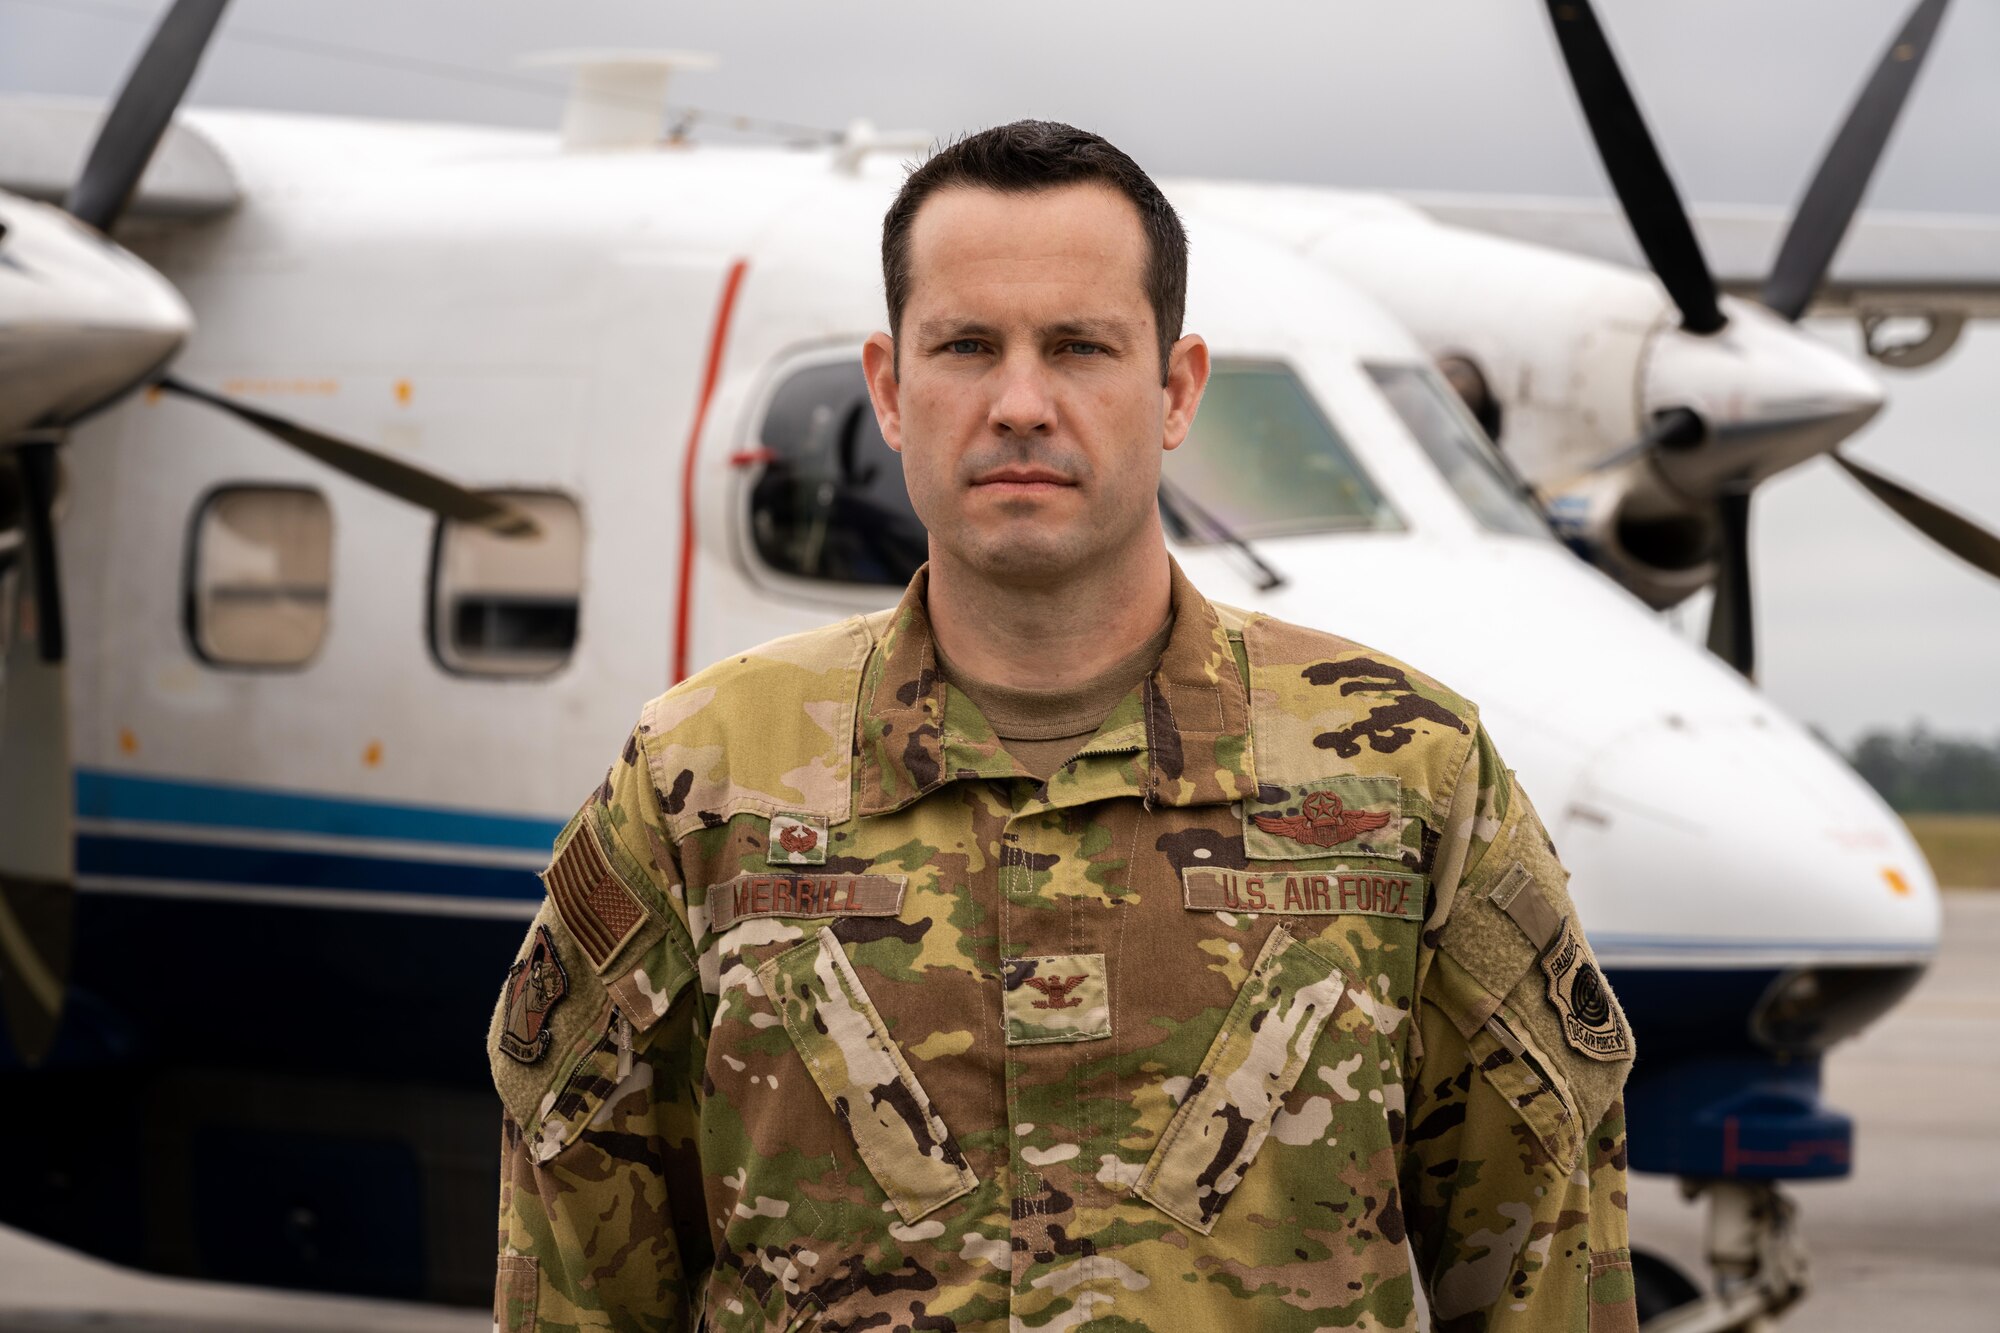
{"x":1181,"y":738}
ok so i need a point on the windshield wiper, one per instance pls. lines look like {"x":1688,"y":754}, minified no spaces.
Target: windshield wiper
{"x":1178,"y":507}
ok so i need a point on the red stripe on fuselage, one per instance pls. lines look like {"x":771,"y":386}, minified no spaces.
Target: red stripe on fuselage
{"x":710,"y":375}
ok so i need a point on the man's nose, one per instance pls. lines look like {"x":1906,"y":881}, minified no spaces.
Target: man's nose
{"x":1022,"y":403}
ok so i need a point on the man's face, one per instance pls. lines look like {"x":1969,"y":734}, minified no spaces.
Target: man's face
{"x":1026,"y":395}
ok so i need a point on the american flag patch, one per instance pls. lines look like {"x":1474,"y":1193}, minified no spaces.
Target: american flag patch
{"x":600,"y":911}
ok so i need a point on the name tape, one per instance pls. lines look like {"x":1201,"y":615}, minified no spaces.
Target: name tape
{"x":802,"y":894}
{"x":1397,"y":893}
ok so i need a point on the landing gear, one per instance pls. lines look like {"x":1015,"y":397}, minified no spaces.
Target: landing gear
{"x":1758,"y":1256}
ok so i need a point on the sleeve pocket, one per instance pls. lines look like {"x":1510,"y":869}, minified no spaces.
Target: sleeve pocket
{"x":1528,"y":1082}
{"x":1255,"y":1060}
{"x":516,"y":1292}
{"x":861,"y":1073}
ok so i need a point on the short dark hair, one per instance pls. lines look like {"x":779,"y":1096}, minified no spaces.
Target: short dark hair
{"x":1033,"y":155}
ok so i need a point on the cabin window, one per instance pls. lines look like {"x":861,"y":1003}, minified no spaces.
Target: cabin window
{"x":828,"y":500}
{"x":507,"y":606}
{"x":1455,"y":444}
{"x":1263,"y":461}
{"x":259,"y":566}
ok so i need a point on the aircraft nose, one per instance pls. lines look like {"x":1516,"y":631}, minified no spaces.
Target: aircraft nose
{"x":1741,"y":841}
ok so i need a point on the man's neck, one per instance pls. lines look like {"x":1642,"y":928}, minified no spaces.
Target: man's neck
{"x":1047,"y":636}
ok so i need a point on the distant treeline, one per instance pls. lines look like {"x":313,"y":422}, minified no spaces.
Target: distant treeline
{"x":1919,"y":772}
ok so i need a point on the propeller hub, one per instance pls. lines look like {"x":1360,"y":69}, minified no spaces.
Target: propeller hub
{"x":1768,"y":395}
{"x":82,"y":319}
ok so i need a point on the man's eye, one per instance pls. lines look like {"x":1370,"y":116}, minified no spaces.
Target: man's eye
{"x":963,"y":346}
{"x":1083,"y":349}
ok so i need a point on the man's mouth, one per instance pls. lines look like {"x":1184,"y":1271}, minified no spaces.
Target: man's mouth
{"x":1022,"y":480}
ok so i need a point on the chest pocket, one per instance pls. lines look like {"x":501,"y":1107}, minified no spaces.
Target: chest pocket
{"x":1266,"y":1040}
{"x":861,"y":1073}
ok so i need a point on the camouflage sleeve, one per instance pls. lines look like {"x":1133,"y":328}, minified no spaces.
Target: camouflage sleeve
{"x":596,"y":1052}
{"x":1515,"y":1174}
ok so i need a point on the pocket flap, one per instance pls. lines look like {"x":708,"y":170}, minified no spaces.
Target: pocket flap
{"x":1508,"y":1060}
{"x":1266,"y":1040}
{"x":861,"y":1073}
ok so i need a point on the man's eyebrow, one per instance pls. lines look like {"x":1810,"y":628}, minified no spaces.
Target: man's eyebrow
{"x":1108,"y":329}
{"x":950,"y":327}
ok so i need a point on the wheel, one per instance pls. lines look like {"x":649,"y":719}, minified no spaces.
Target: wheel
{"x":1660,"y":1285}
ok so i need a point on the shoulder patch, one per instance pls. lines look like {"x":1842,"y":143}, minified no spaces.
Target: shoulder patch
{"x":1590,"y":1022}
{"x":599,"y":910}
{"x":534,"y":987}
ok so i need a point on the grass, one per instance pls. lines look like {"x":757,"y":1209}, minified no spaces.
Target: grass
{"x":1964,"y":850}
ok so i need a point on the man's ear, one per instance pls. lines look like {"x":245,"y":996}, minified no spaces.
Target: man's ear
{"x":878,"y":363}
{"x":1187,"y":376}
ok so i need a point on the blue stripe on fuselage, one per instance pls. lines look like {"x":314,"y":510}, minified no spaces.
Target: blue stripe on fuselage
{"x":209,"y":863}
{"x":101,"y":795}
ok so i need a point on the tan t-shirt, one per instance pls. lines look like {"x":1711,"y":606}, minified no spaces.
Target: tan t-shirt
{"x":1043,"y":728}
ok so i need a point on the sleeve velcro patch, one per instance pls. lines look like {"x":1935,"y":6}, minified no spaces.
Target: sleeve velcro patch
{"x":599,"y":910}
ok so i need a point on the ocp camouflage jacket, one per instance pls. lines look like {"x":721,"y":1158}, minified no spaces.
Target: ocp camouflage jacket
{"x":834,"y":1018}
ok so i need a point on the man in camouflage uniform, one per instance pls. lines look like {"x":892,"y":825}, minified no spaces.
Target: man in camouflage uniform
{"x":1257,"y":1008}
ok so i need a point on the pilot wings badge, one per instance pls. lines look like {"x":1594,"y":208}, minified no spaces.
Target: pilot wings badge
{"x":1323,"y":821}
{"x":533,"y":987}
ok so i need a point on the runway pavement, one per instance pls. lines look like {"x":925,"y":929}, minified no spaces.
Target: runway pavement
{"x":1911,"y":1240}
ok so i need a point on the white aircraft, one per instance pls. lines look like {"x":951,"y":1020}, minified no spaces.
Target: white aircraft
{"x":282,"y":754}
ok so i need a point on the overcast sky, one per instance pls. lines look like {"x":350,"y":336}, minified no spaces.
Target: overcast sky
{"x":1861,"y":623}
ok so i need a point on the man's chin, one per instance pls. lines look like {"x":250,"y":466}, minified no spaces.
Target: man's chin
{"x":1028,"y":559}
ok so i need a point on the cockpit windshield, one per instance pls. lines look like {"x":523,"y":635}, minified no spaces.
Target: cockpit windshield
{"x":1460,"y":450}
{"x":1265,"y":462}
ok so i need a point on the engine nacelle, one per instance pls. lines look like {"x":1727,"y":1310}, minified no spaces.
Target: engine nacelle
{"x":1632,"y":526}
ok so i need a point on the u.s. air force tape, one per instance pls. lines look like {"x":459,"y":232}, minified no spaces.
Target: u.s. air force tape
{"x":801,"y":893}
{"x":1398,"y":893}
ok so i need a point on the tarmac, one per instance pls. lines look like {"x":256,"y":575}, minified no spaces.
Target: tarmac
{"x":1910,"y":1240}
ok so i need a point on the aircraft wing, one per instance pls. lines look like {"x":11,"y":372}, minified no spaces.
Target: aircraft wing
{"x":43,"y":141}
{"x":1890,"y":262}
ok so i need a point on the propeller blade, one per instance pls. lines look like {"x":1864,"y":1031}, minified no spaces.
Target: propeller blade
{"x":36,"y":461}
{"x":424,"y":489}
{"x":1731,"y":635}
{"x":1638,"y":175}
{"x":144,"y":109}
{"x":37,"y":840}
{"x":1961,"y":536}
{"x":1842,"y":179}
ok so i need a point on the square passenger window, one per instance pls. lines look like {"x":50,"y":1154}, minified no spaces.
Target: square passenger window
{"x":507,"y":606}
{"x":258,"y":575}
